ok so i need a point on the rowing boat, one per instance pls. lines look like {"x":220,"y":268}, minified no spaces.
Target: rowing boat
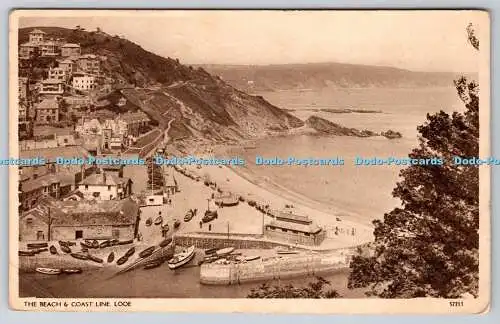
{"x":125,"y":242}
{"x":153,"y":264}
{"x":26,"y":253}
{"x":95,"y":259}
{"x":147,"y":252}
{"x":181,"y":258}
{"x":165,"y":242}
{"x":224,"y":251}
{"x":130,"y":252}
{"x":158,"y":220}
{"x":122,"y":260}
{"x":48,"y":271}
{"x":71,"y":270}
{"x":111,"y":257}
{"x":37,"y":245}
{"x":80,"y":256}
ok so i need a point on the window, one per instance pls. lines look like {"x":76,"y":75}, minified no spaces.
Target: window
{"x":109,"y":188}
{"x":86,"y":187}
{"x":29,"y":221}
{"x":78,"y":235}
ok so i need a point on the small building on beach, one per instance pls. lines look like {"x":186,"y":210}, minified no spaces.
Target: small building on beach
{"x":226,"y":199}
{"x":290,"y":227}
{"x":70,"y":220}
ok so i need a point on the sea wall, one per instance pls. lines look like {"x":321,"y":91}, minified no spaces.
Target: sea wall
{"x":219,"y":241}
{"x":275,"y":268}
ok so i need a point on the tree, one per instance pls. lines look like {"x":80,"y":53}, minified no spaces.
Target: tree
{"x":316,"y":289}
{"x":429,"y":246}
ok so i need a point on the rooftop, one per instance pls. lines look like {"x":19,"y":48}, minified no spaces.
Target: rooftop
{"x":37,"y":31}
{"x":291,"y":215}
{"x":50,"y":154}
{"x":71,"y":45}
{"x":40,"y":182}
{"x":51,"y":81}
{"x":103,"y":179}
{"x":100,"y":212}
{"x":47,"y":104}
{"x":310,"y":228}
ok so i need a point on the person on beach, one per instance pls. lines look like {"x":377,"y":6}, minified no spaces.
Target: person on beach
{"x":201,"y":224}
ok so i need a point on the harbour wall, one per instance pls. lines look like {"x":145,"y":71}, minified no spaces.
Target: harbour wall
{"x":275,"y":268}
{"x":219,"y":241}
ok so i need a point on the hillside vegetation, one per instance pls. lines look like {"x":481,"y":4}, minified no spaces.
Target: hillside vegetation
{"x":195,"y":104}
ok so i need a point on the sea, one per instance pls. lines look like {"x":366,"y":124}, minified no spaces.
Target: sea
{"x":362,"y":191}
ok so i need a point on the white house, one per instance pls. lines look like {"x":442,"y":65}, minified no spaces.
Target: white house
{"x":103,"y":186}
{"x":83,"y":82}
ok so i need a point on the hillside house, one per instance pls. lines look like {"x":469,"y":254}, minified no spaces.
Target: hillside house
{"x":83,"y":82}
{"x":36,"y":36}
{"x":58,"y":73}
{"x":47,"y":111}
{"x":68,"y":65}
{"x":290,"y":227}
{"x":71,"y":50}
{"x":137,"y":122}
{"x":104,"y":186}
{"x":52,"y":87}
{"x":89,"y":64}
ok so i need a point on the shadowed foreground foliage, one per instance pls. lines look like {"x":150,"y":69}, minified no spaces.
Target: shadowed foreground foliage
{"x":430,"y":246}
{"x":316,"y":289}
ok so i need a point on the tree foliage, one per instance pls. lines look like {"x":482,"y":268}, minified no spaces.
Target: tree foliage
{"x":315,"y":289}
{"x":429,"y":246}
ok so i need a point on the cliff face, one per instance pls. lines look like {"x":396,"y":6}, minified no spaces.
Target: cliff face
{"x":326,"y":127}
{"x":188,"y":101}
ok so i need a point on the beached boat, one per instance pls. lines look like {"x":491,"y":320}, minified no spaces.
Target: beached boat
{"x":251,"y":258}
{"x":181,"y":258}
{"x":65,"y":249}
{"x":67,"y":243}
{"x":153,"y":264}
{"x":287,"y":252}
{"x":80,"y":256}
{"x":26,"y":253}
{"x":147,"y":252}
{"x":71,"y":270}
{"x":48,"y":271}
{"x":40,"y":250}
{"x":53,"y":250}
{"x":37,"y":245}
{"x":158,"y":220}
{"x":130,"y":252}
{"x":114,"y":242}
{"x":125,"y":242}
{"x":165,"y":242}
{"x":105,"y":244}
{"x":211,"y":251}
{"x":149,"y":221}
{"x":111,"y":257}
{"x":95,"y":259}
{"x":85,"y":245}
{"x":224,"y":251}
{"x":122,"y":260}
{"x":189,"y":215}
{"x":95,"y":244}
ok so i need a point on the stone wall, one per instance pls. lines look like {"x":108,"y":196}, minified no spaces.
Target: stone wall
{"x":275,"y":268}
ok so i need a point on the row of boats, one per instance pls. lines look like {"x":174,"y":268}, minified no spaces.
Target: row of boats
{"x":159,"y":221}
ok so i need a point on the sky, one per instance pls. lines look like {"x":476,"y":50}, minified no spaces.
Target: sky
{"x":414,"y":40}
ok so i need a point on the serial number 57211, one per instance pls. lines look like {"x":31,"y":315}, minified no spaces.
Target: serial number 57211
{"x":456,"y":303}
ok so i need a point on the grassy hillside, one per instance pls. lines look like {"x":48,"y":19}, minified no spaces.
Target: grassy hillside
{"x":321,"y":75}
{"x":194,"y":103}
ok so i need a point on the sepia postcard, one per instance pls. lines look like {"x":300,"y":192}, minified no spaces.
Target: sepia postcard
{"x":264,"y":161}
